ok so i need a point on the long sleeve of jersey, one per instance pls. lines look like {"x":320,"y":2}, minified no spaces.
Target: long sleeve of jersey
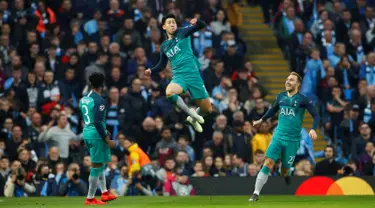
{"x":273,"y":110}
{"x":135,"y":165}
{"x":162,"y":63}
{"x":187,"y":31}
{"x":99,"y":117}
{"x":310,"y":108}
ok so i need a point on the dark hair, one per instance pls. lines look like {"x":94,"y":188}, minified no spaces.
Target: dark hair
{"x":96,"y":80}
{"x":130,"y":139}
{"x":330,"y":146}
{"x":168,"y":16}
{"x":184,"y":137}
{"x":164,"y":129}
{"x":259,"y":151}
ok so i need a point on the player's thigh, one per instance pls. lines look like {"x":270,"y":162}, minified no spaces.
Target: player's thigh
{"x":197,"y":90}
{"x":289,"y":152}
{"x":98,"y":150}
{"x":176,"y":87}
{"x":274,"y":150}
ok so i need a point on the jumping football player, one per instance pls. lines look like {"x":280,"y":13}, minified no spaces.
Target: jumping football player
{"x":186,"y":77}
{"x":286,"y":138}
{"x":97,"y":139}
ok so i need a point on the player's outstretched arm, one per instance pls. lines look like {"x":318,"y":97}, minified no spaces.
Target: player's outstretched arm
{"x":160,"y":66}
{"x":310,"y":108}
{"x":196,"y":25}
{"x":273,"y":110}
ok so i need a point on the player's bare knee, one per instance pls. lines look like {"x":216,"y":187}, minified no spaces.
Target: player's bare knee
{"x":269,"y":163}
{"x":208,"y":108}
{"x":168,"y":93}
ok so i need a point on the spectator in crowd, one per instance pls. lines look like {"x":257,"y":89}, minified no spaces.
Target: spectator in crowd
{"x":138,"y":160}
{"x":49,"y":92}
{"x":112,"y":169}
{"x":167,"y":170}
{"x":24,"y":157}
{"x":366,"y":157}
{"x":259,"y":110}
{"x":178,"y":185}
{"x":208,"y":164}
{"x":72,"y":185}
{"x":303,"y":168}
{"x":241,"y":142}
{"x":4,"y":172}
{"x":252,"y":170}
{"x":328,"y":166}
{"x":59,"y":172}
{"x":16,"y":185}
{"x":259,"y":158}
{"x":261,"y":139}
{"x":240,"y":166}
{"x":148,"y":136}
{"x":119,"y":185}
{"x":133,"y":108}
{"x":182,"y":162}
{"x":158,"y":104}
{"x":45,"y":183}
{"x":53,"y":158}
{"x":348,"y":129}
{"x":112,"y":121}
{"x":198,"y":169}
{"x":358,"y":145}
{"x":217,"y":144}
{"x":69,"y":88}
{"x":14,"y":142}
{"x":219,"y":168}
{"x":166,"y":147}
{"x":85,"y":168}
{"x":339,"y":51}
{"x":183,"y":144}
{"x":367,"y":68}
{"x":213,"y":77}
{"x":59,"y":136}
{"x":335,"y":107}
{"x":286,"y":27}
{"x":232,"y":59}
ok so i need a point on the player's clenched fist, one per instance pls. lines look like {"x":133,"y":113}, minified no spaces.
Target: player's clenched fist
{"x":313,"y":134}
{"x":148,"y":72}
{"x":193,"y":21}
{"x":111,"y":144}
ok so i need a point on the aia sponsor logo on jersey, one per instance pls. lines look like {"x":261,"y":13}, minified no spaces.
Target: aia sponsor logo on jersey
{"x":287,"y":112}
{"x":173,"y":51}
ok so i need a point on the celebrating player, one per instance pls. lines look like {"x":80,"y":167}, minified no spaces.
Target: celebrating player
{"x":97,"y":139}
{"x":185,"y":66}
{"x":286,"y":139}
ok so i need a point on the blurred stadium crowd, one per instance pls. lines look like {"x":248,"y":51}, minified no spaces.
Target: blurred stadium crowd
{"x":47,"y":46}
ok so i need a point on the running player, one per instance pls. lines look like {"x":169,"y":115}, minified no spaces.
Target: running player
{"x":286,"y":138}
{"x":186,"y":77}
{"x":97,"y":139}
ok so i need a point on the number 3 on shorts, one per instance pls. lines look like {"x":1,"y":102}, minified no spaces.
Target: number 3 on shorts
{"x":291,"y":160}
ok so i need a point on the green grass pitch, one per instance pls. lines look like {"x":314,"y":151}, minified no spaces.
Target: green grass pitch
{"x":198,"y":201}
